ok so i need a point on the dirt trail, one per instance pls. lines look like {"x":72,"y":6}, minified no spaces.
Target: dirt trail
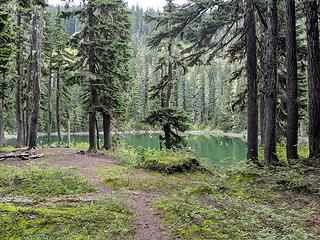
{"x":148,"y":226}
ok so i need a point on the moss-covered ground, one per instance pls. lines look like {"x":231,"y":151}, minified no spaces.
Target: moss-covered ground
{"x":244,"y":202}
{"x":241,"y":203}
{"x":40,"y":202}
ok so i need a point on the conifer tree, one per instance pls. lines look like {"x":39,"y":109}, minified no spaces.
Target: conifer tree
{"x":312,"y":26}
{"x":103,"y":54}
{"x":170,"y":119}
{"x":36,"y":48}
{"x":6,"y":50}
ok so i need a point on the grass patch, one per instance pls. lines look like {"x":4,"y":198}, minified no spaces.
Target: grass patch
{"x":223,"y":217}
{"x":8,"y":149}
{"x":108,"y":219}
{"x":127,"y":155}
{"x":126,"y":178}
{"x":41,"y":182}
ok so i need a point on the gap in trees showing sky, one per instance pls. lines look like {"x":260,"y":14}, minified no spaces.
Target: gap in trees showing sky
{"x":144,"y":3}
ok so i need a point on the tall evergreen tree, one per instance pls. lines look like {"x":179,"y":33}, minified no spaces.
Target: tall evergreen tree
{"x":170,"y":119}
{"x":270,"y":154}
{"x":36,"y":48}
{"x":252,"y":85}
{"x":102,"y":62}
{"x":292,"y":81}
{"x":312,"y":26}
{"x":6,"y":50}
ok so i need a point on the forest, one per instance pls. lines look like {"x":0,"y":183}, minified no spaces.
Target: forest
{"x":194,"y":121}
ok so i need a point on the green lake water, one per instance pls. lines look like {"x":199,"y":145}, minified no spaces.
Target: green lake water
{"x":218,"y":150}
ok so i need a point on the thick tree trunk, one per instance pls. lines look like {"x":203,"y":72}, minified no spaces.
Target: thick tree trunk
{"x":98,"y":133}
{"x":251,"y":66}
{"x":93,"y":93}
{"x":92,"y":132}
{"x":49,"y":106}
{"x":28,"y":100}
{"x":292,"y":82}
{"x":270,"y":154}
{"x":37,"y":31}
{"x":107,"y":131}
{"x":18,"y":83}
{"x":58,"y":107}
{"x":312,"y":8}
{"x":262,"y":121}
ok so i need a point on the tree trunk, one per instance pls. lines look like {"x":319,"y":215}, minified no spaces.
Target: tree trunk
{"x":92,"y":132}
{"x":37,"y":31}
{"x":58,"y":107}
{"x":292,"y":82}
{"x":49,"y":106}
{"x":251,"y":66}
{"x":69,"y":134}
{"x":262,"y":121}
{"x":107,"y":131}
{"x":270,"y":154}
{"x":1,"y":124}
{"x":93,"y":92}
{"x":98,"y":133}
{"x":314,"y":76}
{"x":18,"y":82}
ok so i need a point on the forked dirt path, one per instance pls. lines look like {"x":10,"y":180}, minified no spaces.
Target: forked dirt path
{"x":148,"y":225}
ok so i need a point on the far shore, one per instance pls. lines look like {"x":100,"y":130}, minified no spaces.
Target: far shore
{"x":155,"y":132}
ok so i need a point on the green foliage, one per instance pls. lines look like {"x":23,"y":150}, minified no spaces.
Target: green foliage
{"x":173,"y":121}
{"x":168,"y":161}
{"x":233,"y":206}
{"x":41,"y":182}
{"x":107,"y":219}
{"x":6,"y":37}
{"x":126,"y":155}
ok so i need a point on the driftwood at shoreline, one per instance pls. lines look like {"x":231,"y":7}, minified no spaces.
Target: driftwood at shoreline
{"x":22,"y":156}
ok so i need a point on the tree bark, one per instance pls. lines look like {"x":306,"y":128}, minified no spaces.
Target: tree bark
{"x":49,"y":106}
{"x":262,"y":121}
{"x":92,"y":132}
{"x":1,"y":123}
{"x":18,"y":82}
{"x":292,"y":82}
{"x":93,"y":92}
{"x":107,"y":131}
{"x":37,"y":32}
{"x":270,"y":154}
{"x":58,"y":107}
{"x":251,"y":66}
{"x":98,"y":133}
{"x":312,"y":25}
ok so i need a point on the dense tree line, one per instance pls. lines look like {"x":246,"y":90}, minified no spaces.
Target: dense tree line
{"x":226,"y":65}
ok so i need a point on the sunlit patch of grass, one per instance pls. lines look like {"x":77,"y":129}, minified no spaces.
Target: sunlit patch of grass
{"x":123,"y":178}
{"x":41,"y":181}
{"x":107,"y":219}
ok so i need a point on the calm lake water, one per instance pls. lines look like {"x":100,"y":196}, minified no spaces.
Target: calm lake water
{"x":218,"y":150}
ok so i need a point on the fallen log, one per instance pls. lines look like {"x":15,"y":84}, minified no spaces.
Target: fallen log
{"x":22,"y":156}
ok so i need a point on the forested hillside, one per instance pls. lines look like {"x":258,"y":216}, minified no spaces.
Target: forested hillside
{"x":206,"y":93}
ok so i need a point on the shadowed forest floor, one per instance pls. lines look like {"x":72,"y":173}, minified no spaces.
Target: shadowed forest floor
{"x":115,"y":201}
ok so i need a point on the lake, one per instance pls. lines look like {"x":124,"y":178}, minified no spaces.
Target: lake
{"x":218,"y":150}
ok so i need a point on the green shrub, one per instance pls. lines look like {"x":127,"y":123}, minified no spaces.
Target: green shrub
{"x":169,"y":161}
{"x":126,"y":155}
{"x":41,"y":182}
